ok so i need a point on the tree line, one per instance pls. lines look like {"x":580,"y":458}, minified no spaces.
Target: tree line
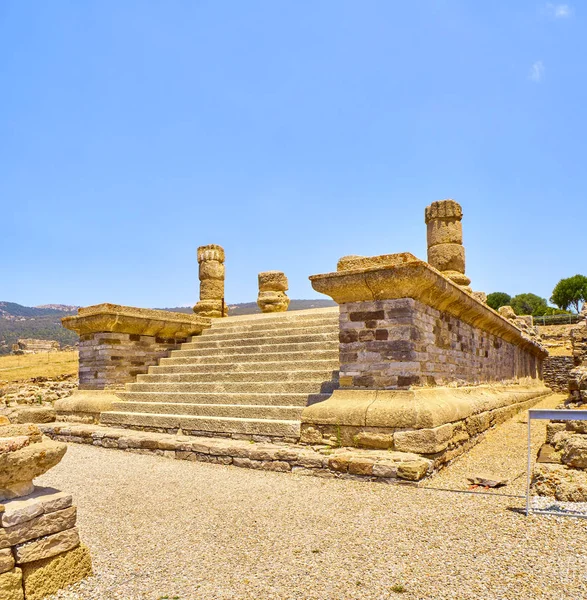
{"x":568,"y":296}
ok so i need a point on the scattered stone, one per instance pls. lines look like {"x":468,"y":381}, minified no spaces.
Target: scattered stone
{"x":487,"y":481}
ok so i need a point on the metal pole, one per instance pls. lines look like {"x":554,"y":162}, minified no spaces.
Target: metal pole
{"x":529,"y":466}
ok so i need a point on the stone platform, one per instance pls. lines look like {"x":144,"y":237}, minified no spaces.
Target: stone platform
{"x":320,"y":460}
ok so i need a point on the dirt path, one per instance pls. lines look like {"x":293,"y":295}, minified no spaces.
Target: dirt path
{"x":502,"y":454}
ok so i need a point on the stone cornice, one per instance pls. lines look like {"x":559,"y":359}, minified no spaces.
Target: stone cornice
{"x":114,"y":318}
{"x":394,"y":276}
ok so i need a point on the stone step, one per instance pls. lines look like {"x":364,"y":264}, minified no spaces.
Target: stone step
{"x":203,"y":342}
{"x":254,"y":358}
{"x":248,"y":387}
{"x":267,"y":399}
{"x":219,"y":335}
{"x":246,"y":367}
{"x":279,"y":319}
{"x":225,"y":425}
{"x":308,"y":347}
{"x":239,"y":411}
{"x":226,"y":377}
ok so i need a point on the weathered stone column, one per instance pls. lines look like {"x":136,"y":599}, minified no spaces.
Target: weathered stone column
{"x":272,"y":288}
{"x":445,"y":240}
{"x":211,"y":260}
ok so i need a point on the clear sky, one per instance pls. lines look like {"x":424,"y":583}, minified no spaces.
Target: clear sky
{"x":290,"y":132}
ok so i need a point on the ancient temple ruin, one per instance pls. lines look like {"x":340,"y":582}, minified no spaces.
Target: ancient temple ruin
{"x":411,"y":364}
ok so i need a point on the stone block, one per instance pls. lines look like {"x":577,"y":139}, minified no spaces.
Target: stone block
{"x":424,"y":441}
{"x":11,"y":585}
{"x":47,"y":576}
{"x":43,"y":525}
{"x":368,"y":439}
{"x":19,"y":468}
{"x":413,"y":470}
{"x":6,"y":560}
{"x":47,"y":547}
{"x":574,"y":452}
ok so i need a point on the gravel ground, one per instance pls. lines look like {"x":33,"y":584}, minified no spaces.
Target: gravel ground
{"x":161,"y":528}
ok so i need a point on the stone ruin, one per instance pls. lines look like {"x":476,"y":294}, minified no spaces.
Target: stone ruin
{"x":40,"y":549}
{"x":413,"y":361}
{"x":31,"y":346}
{"x":561,"y":466}
{"x":272,"y":288}
{"x":425,"y":365}
{"x":211,"y":273}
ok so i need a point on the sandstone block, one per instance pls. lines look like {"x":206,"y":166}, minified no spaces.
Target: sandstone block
{"x":361,"y":466}
{"x":11,"y":585}
{"x":575,"y":452}
{"x":447,"y":231}
{"x":273,"y":281}
{"x":424,"y":441}
{"x":211,"y":289}
{"x":270,"y":302}
{"x":211,"y":269}
{"x":6,"y":560}
{"x":33,"y":414}
{"x":45,"y":577}
{"x":447,"y":257}
{"x":367,"y":439}
{"x":385,"y":469}
{"x":19,"y":468}
{"x":41,"y":526}
{"x":47,"y":547}
{"x":443,"y":209}
{"x":211,"y":252}
{"x":413,"y":470}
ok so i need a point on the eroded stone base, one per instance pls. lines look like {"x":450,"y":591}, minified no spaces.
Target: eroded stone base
{"x":321,"y":461}
{"x":437,"y":423}
{"x":85,"y":406}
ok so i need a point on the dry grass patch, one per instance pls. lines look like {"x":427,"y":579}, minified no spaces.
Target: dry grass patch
{"x":43,"y":364}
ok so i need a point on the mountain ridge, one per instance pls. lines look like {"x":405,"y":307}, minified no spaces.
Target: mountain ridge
{"x":44,"y":322}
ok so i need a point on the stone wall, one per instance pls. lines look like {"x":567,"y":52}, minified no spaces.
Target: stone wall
{"x":40,"y":550}
{"x":556,"y":370}
{"x":108,"y":361}
{"x":561,"y":465}
{"x":395,"y":344}
{"x":32,"y":346}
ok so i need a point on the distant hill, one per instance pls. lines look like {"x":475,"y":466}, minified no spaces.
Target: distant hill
{"x":251,"y":308}
{"x":44,"y":322}
{"x":40,"y":322}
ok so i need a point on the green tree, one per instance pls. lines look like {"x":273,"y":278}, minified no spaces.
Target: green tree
{"x":570,"y":292}
{"x":529,"y":304}
{"x":498,"y":299}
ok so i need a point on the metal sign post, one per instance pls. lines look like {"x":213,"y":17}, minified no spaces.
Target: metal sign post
{"x":550,"y":415}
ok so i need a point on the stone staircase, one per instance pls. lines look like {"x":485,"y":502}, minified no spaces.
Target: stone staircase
{"x":245,"y":376}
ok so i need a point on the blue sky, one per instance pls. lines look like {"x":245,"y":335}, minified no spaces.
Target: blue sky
{"x":291,"y":133}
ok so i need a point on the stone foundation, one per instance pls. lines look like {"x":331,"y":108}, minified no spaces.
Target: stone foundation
{"x":425,"y":366}
{"x":320,"y":461}
{"x":118,"y":343}
{"x":108,"y":361}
